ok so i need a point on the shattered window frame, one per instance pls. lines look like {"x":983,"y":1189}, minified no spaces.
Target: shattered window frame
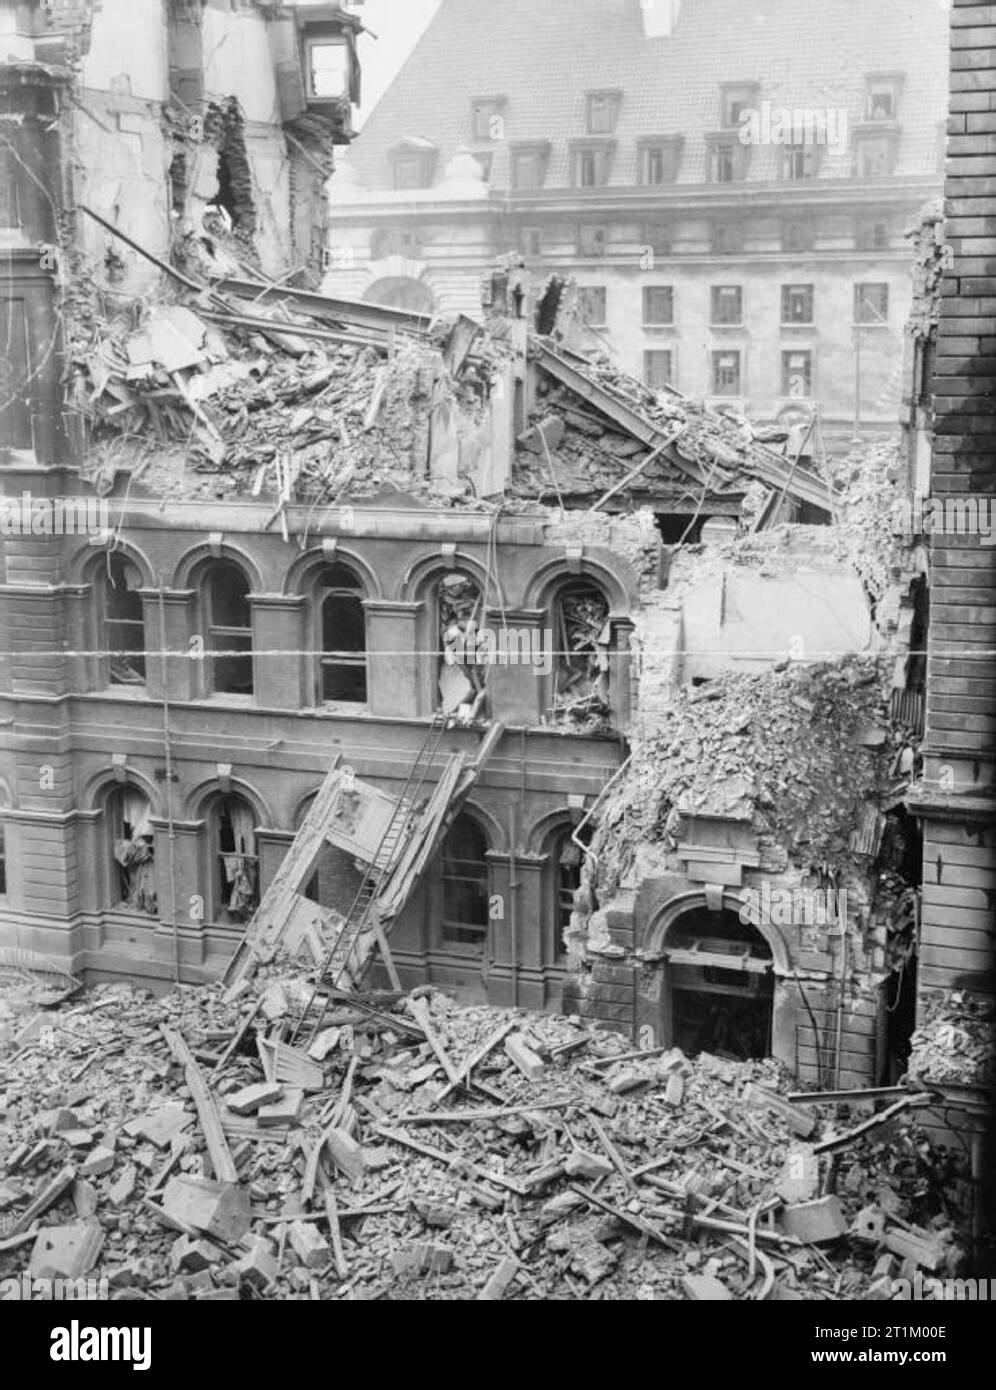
{"x":464,"y":881}
{"x":325,"y":43}
{"x":565,"y":862}
{"x":805,"y":297}
{"x":341,"y":663}
{"x":235,"y":640}
{"x":132,"y":851}
{"x":123,"y":636}
{"x":654,"y":378}
{"x":249,"y":885}
{"x":457,"y":612}
{"x":582,"y":618}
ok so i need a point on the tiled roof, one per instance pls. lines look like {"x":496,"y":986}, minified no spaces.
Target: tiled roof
{"x":544,"y":55}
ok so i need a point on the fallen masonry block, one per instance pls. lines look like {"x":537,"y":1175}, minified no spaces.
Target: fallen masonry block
{"x":129,"y":1276}
{"x":422,"y":1258}
{"x":921,"y":1248}
{"x":190,"y":1256}
{"x":198,"y":1283}
{"x":258,"y":1267}
{"x":96,"y":1163}
{"x":705,"y":1288}
{"x":275,"y":1002}
{"x":326,"y":1042}
{"x":66,"y":1252}
{"x":438,"y":1214}
{"x":225,"y":1295}
{"x":346,"y":1154}
{"x":879,"y":1291}
{"x":815,"y":1222}
{"x":562,"y":1205}
{"x":85,"y":1197}
{"x":499,"y":1281}
{"x":625,"y":1082}
{"x":524,"y":1057}
{"x":801,"y":1122}
{"x":160,"y":1126}
{"x":310,"y":1248}
{"x":592,"y":1260}
{"x":218,"y":1209}
{"x":251,"y":1098}
{"x":122,"y":1189}
{"x":282,"y":1112}
{"x":869,"y":1224}
{"x":76,"y":1138}
{"x":581,"y":1164}
{"x":675,"y":1090}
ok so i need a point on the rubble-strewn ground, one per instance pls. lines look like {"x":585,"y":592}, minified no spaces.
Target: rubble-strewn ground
{"x":955,"y":1043}
{"x":597,"y":1178}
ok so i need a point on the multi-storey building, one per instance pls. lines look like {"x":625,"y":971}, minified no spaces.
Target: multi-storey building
{"x":729,"y":182}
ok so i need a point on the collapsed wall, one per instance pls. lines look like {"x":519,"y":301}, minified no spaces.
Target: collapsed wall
{"x":750,"y":884}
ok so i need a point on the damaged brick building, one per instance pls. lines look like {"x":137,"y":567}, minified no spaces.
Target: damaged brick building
{"x":438,"y":641}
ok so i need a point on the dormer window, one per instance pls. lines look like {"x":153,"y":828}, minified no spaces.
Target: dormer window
{"x":882,"y":100}
{"x":736,"y":98}
{"x":529,"y":163}
{"x":727,"y":159}
{"x":590,"y":165}
{"x":602,"y":112}
{"x":414,"y":163}
{"x":487,"y":118}
{"x":875,"y":155}
{"x":800,"y":162}
{"x":660,"y":159}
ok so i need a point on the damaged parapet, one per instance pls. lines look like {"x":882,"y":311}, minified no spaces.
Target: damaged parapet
{"x":750,"y":886}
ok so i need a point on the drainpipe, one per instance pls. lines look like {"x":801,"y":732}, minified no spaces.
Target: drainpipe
{"x":168,"y":750}
{"x":839,"y":1041}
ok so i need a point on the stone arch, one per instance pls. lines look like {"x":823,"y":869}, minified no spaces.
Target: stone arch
{"x":671,"y":912}
{"x":86,"y":561}
{"x":107,"y":780}
{"x":300,"y":576}
{"x":489,"y":825}
{"x":424,"y":572}
{"x":200,"y":799}
{"x":188,"y":570}
{"x":555,"y":574}
{"x":405,"y":292}
{"x":547,"y":826}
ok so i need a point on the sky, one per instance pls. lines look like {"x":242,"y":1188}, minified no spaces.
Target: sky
{"x":398,"y":25}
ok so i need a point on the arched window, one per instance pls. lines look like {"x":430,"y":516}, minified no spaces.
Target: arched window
{"x":714,"y":1006}
{"x":236,"y":859}
{"x":459,"y":608}
{"x":129,"y":825}
{"x":566,"y":862}
{"x":583,"y":642}
{"x":343,"y":636}
{"x":123,"y":621}
{"x":465,"y":886}
{"x":228,"y":617}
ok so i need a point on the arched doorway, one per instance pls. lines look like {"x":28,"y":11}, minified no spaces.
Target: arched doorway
{"x":719,"y":986}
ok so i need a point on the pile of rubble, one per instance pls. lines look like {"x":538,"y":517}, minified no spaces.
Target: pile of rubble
{"x":403,"y":1147}
{"x":193,"y":402}
{"x":955,"y":1044}
{"x":764,"y":748}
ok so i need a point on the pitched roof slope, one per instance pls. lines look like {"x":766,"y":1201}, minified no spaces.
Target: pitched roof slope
{"x":544,"y":57}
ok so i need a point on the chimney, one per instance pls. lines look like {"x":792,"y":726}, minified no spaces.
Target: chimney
{"x":659,"y":17}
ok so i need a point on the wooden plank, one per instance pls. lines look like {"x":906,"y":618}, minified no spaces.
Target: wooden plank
{"x":207,"y":1111}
